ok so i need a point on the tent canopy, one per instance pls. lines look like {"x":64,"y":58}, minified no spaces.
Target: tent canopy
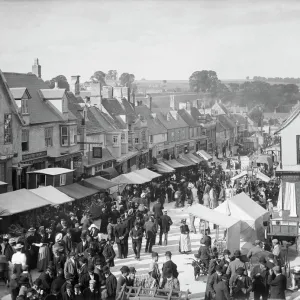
{"x":77,"y":191}
{"x":173,"y":163}
{"x":193,"y":158}
{"x":52,"y":195}
{"x":99,"y":183}
{"x":109,"y":173}
{"x":53,"y":171}
{"x":147,"y":173}
{"x":264,"y":159}
{"x":186,"y":162}
{"x":20,"y":201}
{"x":130,"y":178}
{"x":212,"y":216}
{"x":204,"y":155}
{"x":163,"y":168}
{"x":250,"y":213}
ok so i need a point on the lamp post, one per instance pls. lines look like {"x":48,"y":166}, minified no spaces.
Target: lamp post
{"x":19,"y":172}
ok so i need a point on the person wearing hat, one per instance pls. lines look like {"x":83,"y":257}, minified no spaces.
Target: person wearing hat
{"x":77,"y":292}
{"x":110,"y":230}
{"x":277,"y":282}
{"x":170,"y":283}
{"x":83,"y":245}
{"x":131,"y":277}
{"x":121,"y":231}
{"x":70,"y":267}
{"x":235,"y":264}
{"x":109,"y":253}
{"x":270,"y":207}
{"x":212,"y":281}
{"x":222,"y":289}
{"x":254,"y":251}
{"x":166,"y":223}
{"x":110,"y":283}
{"x":7,"y":250}
{"x":46,"y":278}
{"x":136,"y":234}
{"x":24,"y":286}
{"x":19,"y":258}
{"x":259,"y":276}
{"x":158,"y":212}
{"x":114,"y":215}
{"x":225,"y":260}
{"x":122,"y":279}
{"x":82,"y":268}
{"x":92,"y":292}
{"x":240,"y":285}
{"x":184,"y":241}
{"x":278,"y":255}
{"x":169,"y":265}
{"x":69,"y":293}
{"x":150,"y":231}
{"x":68,"y":239}
{"x":59,"y":280}
{"x":91,"y":275}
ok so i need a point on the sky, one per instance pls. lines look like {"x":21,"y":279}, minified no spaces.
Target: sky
{"x":165,"y":39}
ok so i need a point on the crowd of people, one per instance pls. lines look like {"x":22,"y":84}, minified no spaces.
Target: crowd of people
{"x":74,"y":255}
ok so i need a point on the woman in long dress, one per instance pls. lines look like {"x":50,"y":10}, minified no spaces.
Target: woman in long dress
{"x":44,"y":252}
{"x":185,"y":241}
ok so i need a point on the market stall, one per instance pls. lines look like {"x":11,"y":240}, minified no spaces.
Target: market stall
{"x":173,"y":163}
{"x":186,"y":162}
{"x":264,"y":160}
{"x":99,"y":183}
{"x":147,"y":173}
{"x":227,"y":222}
{"x":194,"y":158}
{"x":240,"y":175}
{"x":262,"y":177}
{"x":251,"y":215}
{"x":130,"y":178}
{"x":163,"y":168}
{"x":3,"y":187}
{"x":204,"y":155}
{"x":109,"y":173}
{"x":52,"y":195}
{"x":77,"y":191}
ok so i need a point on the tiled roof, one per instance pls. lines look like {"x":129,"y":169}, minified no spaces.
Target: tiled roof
{"x":163,"y":110}
{"x":155,"y":127}
{"x":188,"y":118}
{"x":113,"y":107}
{"x":94,"y":114}
{"x":223,"y":107}
{"x":226,"y":122}
{"x":171,"y":123}
{"x":18,"y":93}
{"x":290,"y":119}
{"x":220,"y":127}
{"x":52,"y":93}
{"x":163,"y":101}
{"x":39,"y":111}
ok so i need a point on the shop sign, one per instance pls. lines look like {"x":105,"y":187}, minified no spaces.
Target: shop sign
{"x":36,"y":155}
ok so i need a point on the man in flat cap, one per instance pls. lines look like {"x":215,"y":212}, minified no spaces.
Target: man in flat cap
{"x":111,"y":283}
{"x":240,"y":285}
{"x":122,"y":280}
{"x":121,"y":232}
{"x":166,"y":223}
{"x":169,"y":265}
{"x":277,"y":283}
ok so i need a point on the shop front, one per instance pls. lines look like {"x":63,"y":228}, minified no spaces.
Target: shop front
{"x":66,"y":161}
{"x":202,"y":145}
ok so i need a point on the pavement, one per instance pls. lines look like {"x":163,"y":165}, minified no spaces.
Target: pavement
{"x":183,"y":261}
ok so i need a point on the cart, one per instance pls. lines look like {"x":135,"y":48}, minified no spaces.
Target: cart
{"x":141,"y":293}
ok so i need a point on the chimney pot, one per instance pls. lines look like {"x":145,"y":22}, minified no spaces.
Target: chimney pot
{"x":55,"y":85}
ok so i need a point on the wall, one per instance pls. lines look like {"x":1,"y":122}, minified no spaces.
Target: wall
{"x":114,"y":148}
{"x":159,"y":138}
{"x":288,"y":142}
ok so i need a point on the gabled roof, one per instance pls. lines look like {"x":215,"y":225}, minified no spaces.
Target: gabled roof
{"x":39,"y":111}
{"x":226,"y":122}
{"x":171,"y":123}
{"x":19,"y":93}
{"x":188,"y":118}
{"x":154,"y":125}
{"x":113,"y":107}
{"x":239,"y":118}
{"x":223,"y":107}
{"x":294,"y":114}
{"x":95,"y":115}
{"x":50,"y":94}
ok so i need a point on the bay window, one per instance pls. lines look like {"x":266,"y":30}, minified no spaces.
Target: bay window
{"x":68,"y":136}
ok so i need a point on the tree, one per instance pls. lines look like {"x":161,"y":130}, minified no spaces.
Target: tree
{"x":204,"y":81}
{"x":256,"y":115}
{"x":164,"y":81}
{"x":61,"y":80}
{"x":234,"y":87}
{"x":247,"y":78}
{"x":99,"y":76}
{"x":112,"y":75}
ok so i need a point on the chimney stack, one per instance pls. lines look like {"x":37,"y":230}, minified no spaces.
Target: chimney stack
{"x":55,"y":85}
{"x":37,"y":69}
{"x":75,"y":85}
{"x":150,"y":102}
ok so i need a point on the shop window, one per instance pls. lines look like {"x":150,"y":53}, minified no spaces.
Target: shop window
{"x":64,"y":136}
{"x":151,"y":139}
{"x":172,"y":136}
{"x":25,"y":140}
{"x":107,"y":164}
{"x":49,"y":136}
{"x":136,"y":140}
{"x":7,"y":128}
{"x":144,"y":136}
{"x":123,"y":138}
{"x":24,"y":106}
{"x":98,"y":168}
{"x":63,"y":179}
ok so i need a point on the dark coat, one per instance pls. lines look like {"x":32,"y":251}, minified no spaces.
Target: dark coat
{"x":58,"y":281}
{"x":114,"y":216}
{"x":80,"y":248}
{"x":212,"y":282}
{"x":54,"y":297}
{"x":111,"y":232}
{"x":89,"y":295}
{"x":222,"y":291}
{"x":109,"y":254}
{"x":46,"y":281}
{"x":157,"y":210}
{"x":65,"y":296}
{"x":169,"y":265}
{"x":85,"y":279}
{"x":277,"y":286}
{"x":121,"y":230}
{"x":111,"y":285}
{"x":150,"y":229}
{"x":166,"y":222}
{"x":260,"y":283}
{"x":120,"y":282}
